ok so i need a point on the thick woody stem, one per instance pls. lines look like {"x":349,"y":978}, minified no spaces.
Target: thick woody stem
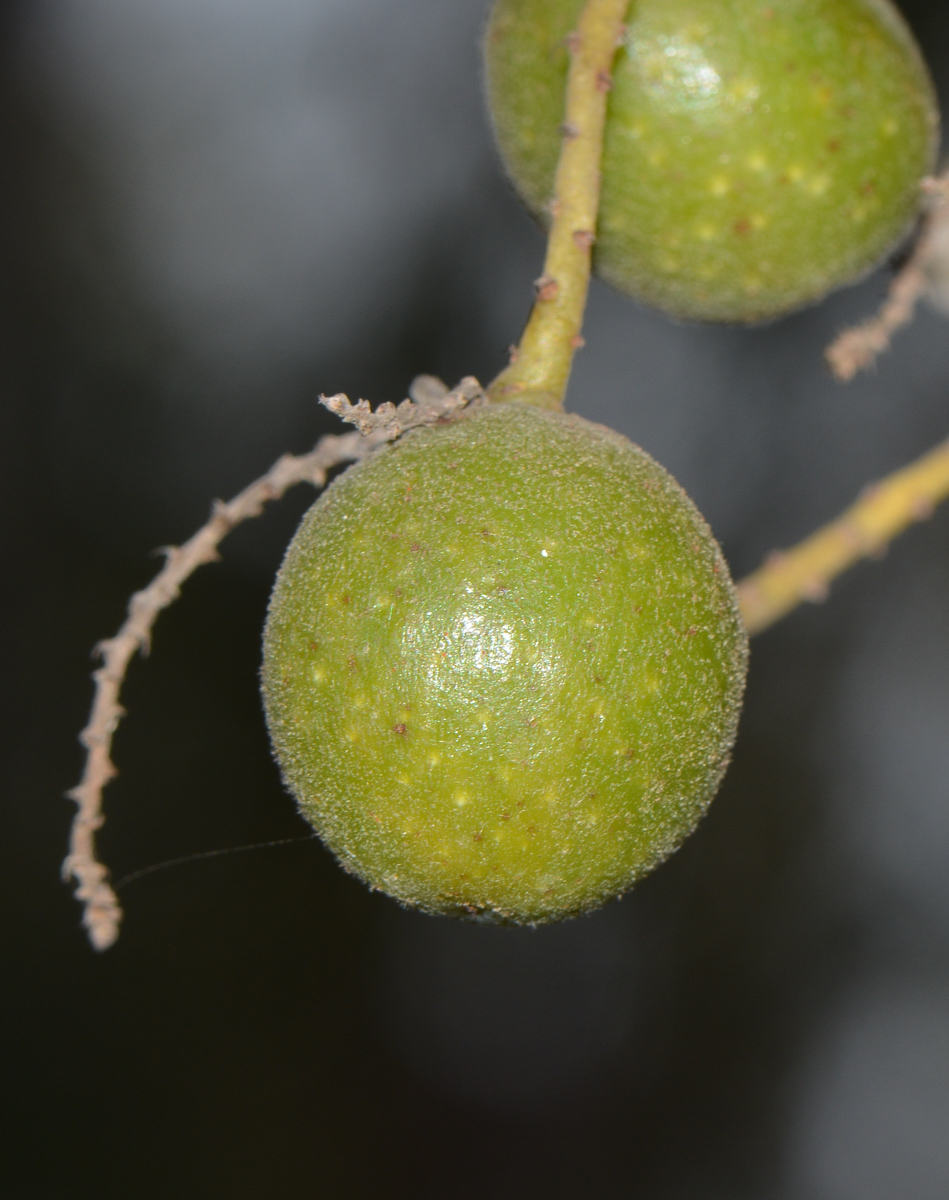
{"x":884,"y":510}
{"x":856,"y":349}
{"x":540,"y":365}
{"x":432,"y":403}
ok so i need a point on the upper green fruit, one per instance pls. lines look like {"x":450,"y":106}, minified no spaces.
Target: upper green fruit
{"x":757,"y":154}
{"x":503,"y":665}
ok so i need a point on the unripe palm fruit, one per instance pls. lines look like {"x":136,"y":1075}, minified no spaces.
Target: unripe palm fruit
{"x":756,"y":155}
{"x":503,"y":665}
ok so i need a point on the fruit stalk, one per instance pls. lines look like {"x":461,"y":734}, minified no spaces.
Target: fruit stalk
{"x":540,"y":365}
{"x":884,"y":510}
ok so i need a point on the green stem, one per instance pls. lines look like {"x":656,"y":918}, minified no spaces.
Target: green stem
{"x":540,"y":366}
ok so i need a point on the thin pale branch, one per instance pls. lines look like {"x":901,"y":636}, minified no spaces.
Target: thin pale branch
{"x":856,"y":349}
{"x":431,"y":404}
{"x":884,"y":510}
{"x":540,"y":366}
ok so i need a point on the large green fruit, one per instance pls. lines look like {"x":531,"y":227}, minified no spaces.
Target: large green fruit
{"x":757,"y":154}
{"x":503,"y":665}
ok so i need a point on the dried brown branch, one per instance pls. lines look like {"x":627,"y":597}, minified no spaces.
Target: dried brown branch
{"x":431,"y":403}
{"x":858,"y":348}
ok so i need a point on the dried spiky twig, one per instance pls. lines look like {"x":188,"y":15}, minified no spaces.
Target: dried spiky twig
{"x":858,"y":348}
{"x":431,"y":403}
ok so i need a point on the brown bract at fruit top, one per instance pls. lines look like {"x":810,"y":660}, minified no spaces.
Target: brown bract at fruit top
{"x":756,"y":155}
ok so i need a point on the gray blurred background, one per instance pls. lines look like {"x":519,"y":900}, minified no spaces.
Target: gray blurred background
{"x":213,"y":211}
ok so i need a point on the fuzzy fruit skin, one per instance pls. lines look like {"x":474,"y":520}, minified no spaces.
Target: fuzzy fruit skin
{"x":757,"y":153}
{"x":503,"y":666}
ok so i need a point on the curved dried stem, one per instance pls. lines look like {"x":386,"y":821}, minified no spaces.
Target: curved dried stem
{"x":856,"y":349}
{"x":431,"y":403}
{"x":884,"y":510}
{"x":540,"y":365}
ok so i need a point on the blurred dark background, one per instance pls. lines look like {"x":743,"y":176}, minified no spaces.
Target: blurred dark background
{"x":213,"y":210}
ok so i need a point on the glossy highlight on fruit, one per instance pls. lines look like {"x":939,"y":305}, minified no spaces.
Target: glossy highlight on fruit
{"x":757,"y":153}
{"x":503,"y":665}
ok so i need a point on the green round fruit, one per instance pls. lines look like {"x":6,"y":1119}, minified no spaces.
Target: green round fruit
{"x":756,"y":154}
{"x":503,"y":665}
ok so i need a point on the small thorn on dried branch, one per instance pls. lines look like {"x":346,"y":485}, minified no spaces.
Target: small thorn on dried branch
{"x":431,"y":403}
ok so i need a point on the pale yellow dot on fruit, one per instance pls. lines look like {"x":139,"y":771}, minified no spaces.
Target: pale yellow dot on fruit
{"x":745,"y":89}
{"x":656,"y":157}
{"x":434,"y":758}
{"x":706,"y":232}
{"x":485,"y":716}
{"x":758,"y":220}
{"x":890,"y":127}
{"x":795,"y":173}
{"x":404,"y":780}
{"x":818,"y":185}
{"x":360,"y":700}
{"x":318,"y":674}
{"x":461,"y":799}
{"x":718,"y":185}
{"x":756,"y":161}
{"x":353,"y":733}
